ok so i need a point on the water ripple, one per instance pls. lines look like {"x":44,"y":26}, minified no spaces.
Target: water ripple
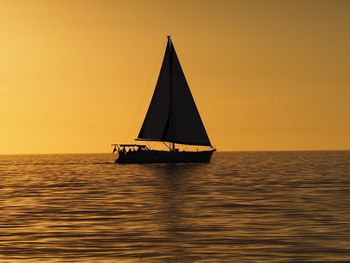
{"x":242,"y":207}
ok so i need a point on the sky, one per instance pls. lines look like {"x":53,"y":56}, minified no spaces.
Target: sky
{"x":76,"y":76}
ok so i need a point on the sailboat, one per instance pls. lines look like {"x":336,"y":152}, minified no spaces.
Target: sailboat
{"x":172,"y":118}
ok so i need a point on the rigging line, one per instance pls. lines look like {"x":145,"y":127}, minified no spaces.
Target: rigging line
{"x":144,"y":95}
{"x":169,"y":147}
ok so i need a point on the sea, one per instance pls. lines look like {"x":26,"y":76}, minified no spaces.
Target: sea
{"x":241,"y":207}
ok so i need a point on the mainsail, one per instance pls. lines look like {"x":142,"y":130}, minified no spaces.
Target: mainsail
{"x":172,"y":115}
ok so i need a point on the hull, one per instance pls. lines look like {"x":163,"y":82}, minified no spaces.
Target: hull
{"x":151,"y":156}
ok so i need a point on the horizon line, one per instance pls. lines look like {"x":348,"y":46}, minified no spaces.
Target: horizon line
{"x":223,"y":151}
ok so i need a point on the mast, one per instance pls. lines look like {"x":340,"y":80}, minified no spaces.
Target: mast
{"x":171,"y":87}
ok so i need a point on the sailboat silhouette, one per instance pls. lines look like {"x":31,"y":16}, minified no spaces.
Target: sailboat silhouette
{"x":172,"y":117}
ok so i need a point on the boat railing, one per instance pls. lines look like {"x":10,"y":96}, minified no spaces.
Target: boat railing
{"x":129,"y":147}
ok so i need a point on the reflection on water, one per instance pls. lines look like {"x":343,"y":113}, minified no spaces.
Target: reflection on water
{"x":268,"y":206}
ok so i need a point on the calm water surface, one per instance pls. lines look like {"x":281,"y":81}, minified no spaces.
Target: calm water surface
{"x":242,"y":207}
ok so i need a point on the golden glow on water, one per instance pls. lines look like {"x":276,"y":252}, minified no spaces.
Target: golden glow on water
{"x":265,"y":75}
{"x":258,"y":207}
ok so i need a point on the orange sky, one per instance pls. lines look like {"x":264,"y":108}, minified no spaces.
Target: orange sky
{"x":266,"y":75}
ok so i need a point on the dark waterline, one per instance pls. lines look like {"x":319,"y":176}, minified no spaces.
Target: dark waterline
{"x":244,"y":206}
